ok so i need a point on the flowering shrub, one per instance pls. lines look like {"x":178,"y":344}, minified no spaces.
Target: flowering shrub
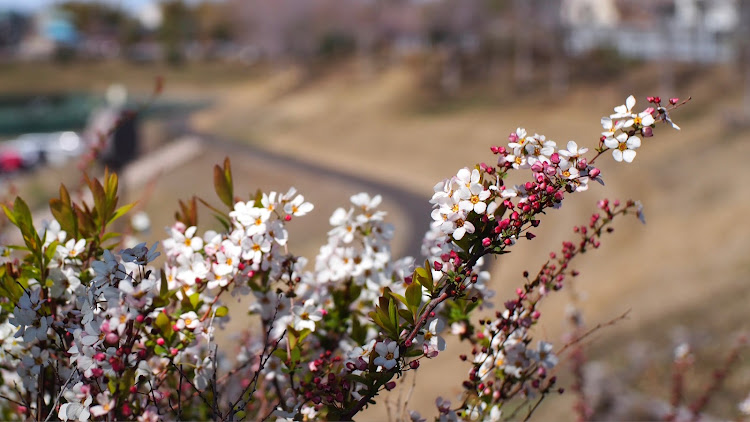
{"x":93,"y":332}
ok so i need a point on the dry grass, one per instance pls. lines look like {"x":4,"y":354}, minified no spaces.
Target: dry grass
{"x":693,"y":250}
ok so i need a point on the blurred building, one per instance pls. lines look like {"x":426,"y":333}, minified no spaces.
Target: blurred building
{"x":682,"y":30}
{"x":13,"y":27}
{"x":52,"y":32}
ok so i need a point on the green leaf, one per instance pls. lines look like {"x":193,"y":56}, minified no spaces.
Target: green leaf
{"x":423,"y":275}
{"x":11,"y":216}
{"x":296,"y":354}
{"x":62,"y":210}
{"x":163,"y":324}
{"x":393,"y":314}
{"x":399,"y":298}
{"x":164,"y":286}
{"x":414,"y":352}
{"x":195,"y":300}
{"x":223,"y":183}
{"x":406,"y":314}
{"x":414,"y":295}
{"x":120,"y":212}
{"x":221,"y":311}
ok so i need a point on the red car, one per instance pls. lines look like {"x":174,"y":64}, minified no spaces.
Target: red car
{"x":10,"y":161}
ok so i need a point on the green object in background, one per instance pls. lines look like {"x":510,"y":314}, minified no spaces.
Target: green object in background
{"x":44,"y":113}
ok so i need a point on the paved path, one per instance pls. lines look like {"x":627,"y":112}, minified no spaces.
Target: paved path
{"x":415,"y":208}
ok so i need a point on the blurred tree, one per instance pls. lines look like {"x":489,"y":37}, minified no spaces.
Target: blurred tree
{"x":102,"y":21}
{"x":213,"y":22}
{"x":176,"y":30}
{"x":743,"y":49}
{"x":89,"y":17}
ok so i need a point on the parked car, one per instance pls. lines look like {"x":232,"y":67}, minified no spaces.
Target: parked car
{"x":30,"y":150}
{"x":10,"y":161}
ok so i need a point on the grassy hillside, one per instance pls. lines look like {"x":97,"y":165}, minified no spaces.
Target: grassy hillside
{"x":683,"y":276}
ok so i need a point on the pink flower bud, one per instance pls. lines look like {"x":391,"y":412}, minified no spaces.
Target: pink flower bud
{"x":160,"y":341}
{"x":555,"y":158}
{"x":486,"y":242}
{"x":437,"y":265}
{"x":111,"y":338}
{"x":594,"y":172}
{"x":414,"y":364}
{"x":647,"y":132}
{"x":173,"y":351}
{"x":537,"y":167}
{"x":139,"y":319}
{"x":288,"y":218}
{"x":673,"y":101}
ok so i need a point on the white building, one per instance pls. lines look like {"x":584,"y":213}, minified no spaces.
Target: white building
{"x":681,"y":30}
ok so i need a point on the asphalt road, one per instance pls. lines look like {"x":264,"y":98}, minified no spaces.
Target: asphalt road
{"x":415,"y":208}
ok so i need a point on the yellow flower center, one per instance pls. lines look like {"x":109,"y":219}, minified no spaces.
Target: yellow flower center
{"x":188,"y":321}
{"x":474,"y":199}
{"x":389,"y":356}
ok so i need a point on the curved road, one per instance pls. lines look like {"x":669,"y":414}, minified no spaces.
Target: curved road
{"x":415,"y":208}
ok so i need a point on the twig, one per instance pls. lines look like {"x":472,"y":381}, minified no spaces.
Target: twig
{"x":261,"y":364}
{"x":182,"y":375}
{"x":531,"y":411}
{"x":62,"y":389}
{"x":598,"y":327}
{"x":179,"y":394}
{"x":18,"y":403}
{"x":411,"y":391}
{"x":718,"y":378}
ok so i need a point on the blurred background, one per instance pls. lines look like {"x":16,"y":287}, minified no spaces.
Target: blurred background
{"x":390,"y":96}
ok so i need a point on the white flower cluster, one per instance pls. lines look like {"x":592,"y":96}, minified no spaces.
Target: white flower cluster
{"x":359,"y":250}
{"x":256,"y":243}
{"x":631,"y":126}
{"x":507,"y":353}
